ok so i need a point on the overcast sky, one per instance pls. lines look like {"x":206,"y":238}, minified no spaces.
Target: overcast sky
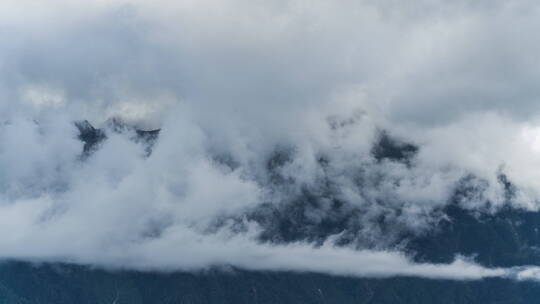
{"x":244,"y":78}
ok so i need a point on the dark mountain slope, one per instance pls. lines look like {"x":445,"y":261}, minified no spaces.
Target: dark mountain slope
{"x":63,"y":284}
{"x":504,"y":237}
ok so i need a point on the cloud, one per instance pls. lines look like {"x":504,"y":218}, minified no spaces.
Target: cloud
{"x":237,"y":84}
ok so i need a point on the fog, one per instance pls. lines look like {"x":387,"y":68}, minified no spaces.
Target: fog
{"x":231,"y":84}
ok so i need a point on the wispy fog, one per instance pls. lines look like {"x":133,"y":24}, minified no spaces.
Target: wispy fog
{"x":262,"y":104}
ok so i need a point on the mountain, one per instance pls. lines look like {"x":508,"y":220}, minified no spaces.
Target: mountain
{"x":506,"y":237}
{"x":67,"y":284}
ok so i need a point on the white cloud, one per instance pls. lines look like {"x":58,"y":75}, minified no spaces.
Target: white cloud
{"x":238,"y":79}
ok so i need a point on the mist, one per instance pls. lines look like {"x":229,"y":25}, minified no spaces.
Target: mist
{"x":259,"y":103}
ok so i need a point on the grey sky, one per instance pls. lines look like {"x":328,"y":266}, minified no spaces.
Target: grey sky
{"x":241,"y":78}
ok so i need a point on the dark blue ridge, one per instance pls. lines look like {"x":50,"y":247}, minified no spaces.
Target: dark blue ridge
{"x":23,"y":283}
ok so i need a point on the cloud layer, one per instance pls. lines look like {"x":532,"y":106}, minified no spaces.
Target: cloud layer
{"x":260,"y":103}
